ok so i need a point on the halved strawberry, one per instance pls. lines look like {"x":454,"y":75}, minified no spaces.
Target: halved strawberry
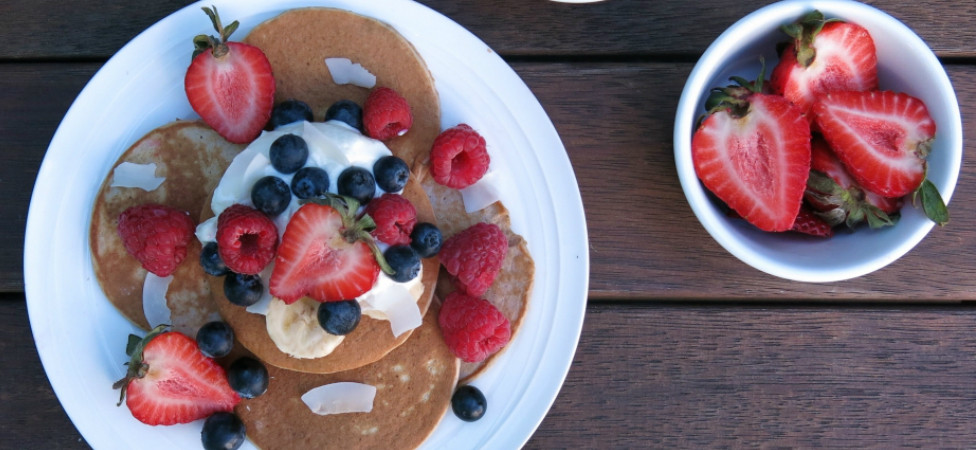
{"x":230,"y":84}
{"x":326,"y":254}
{"x":810,"y":224}
{"x":825,"y":55}
{"x":753,"y":152}
{"x":837,"y":198}
{"x":170,"y":381}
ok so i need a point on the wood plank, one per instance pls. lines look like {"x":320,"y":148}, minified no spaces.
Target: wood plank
{"x":628,"y":28}
{"x":671,"y":375}
{"x":645,"y":241}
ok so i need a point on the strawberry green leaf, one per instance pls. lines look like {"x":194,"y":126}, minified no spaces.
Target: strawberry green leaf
{"x":932,"y":203}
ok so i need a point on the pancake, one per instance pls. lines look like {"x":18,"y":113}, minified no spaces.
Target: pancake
{"x":191,"y":157}
{"x":414,"y":384}
{"x":370,"y":341}
{"x":512,"y":287}
{"x":298,"y":41}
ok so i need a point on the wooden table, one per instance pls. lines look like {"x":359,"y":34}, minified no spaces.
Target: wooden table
{"x":683,"y":345}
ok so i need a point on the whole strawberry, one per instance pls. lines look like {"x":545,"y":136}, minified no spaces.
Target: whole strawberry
{"x":825,"y":55}
{"x":753,"y":152}
{"x":156,"y":235}
{"x":230,"y":84}
{"x":170,"y":381}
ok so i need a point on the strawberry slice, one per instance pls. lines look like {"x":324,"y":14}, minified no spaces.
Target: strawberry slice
{"x":753,"y":153}
{"x":170,"y":381}
{"x":810,"y":224}
{"x":326,"y":254}
{"x":837,"y":198}
{"x":230,"y":84}
{"x":825,"y":55}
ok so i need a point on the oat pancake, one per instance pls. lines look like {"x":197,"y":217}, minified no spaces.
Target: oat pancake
{"x":370,"y":341}
{"x":413,"y":384}
{"x":298,"y":41}
{"x":191,"y":157}
{"x":512,"y":287}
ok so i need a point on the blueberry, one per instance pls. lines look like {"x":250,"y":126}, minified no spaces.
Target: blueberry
{"x":426,"y":239}
{"x":271,"y":195}
{"x":211,"y":262}
{"x":222,"y":431}
{"x":243,"y":290}
{"x":346,"y":111}
{"x":468,"y":403}
{"x":215,"y":339}
{"x":404,"y":261}
{"x":248,"y":377}
{"x":391,"y":173}
{"x":357,"y":183}
{"x":339,"y":318}
{"x":288,"y":153}
{"x":289,"y":111}
{"x":310,"y":182}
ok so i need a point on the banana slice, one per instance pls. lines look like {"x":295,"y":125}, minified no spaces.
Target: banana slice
{"x":296,"y":331}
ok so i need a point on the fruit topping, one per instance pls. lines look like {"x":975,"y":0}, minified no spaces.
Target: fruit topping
{"x":346,"y":111}
{"x":339,"y":318}
{"x":170,"y":381}
{"x":882,"y":138}
{"x":289,"y":111}
{"x":215,"y":339}
{"x":271,"y":195}
{"x":248,"y":377}
{"x":391,"y":173}
{"x":404,"y":261}
{"x":243,"y":290}
{"x":229,"y":84}
{"x":472,"y":327}
{"x":223,"y":431}
{"x":358,"y":183}
{"x":386,"y":114}
{"x":753,"y":152}
{"x":326,"y":253}
{"x":156,"y":235}
{"x":474,"y":257}
{"x":288,"y":153}
{"x":836,"y":198}
{"x":426,"y":239}
{"x":808,"y":223}
{"x":459,"y":157}
{"x":468,"y":403}
{"x":310,"y":182}
{"x":395,"y":218}
{"x":246,"y":239}
{"x":825,"y":55}
{"x":211,"y":262}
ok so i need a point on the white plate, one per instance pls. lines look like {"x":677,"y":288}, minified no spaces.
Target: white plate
{"x":80,"y":337}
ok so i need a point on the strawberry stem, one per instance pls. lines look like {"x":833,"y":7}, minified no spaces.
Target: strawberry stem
{"x":355,"y":229}
{"x":137,"y":368}
{"x":218,"y":45}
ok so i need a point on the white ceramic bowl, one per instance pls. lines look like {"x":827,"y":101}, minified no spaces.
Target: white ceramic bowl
{"x":905,"y":63}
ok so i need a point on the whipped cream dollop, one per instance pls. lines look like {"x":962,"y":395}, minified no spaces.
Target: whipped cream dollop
{"x":334,"y":147}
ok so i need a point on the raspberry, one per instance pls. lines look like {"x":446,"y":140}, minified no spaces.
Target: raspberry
{"x":157,"y":236}
{"x":458,"y":157}
{"x":395,"y":217}
{"x":474,"y":256}
{"x":246,"y":239}
{"x":472,"y":327}
{"x":386,"y":114}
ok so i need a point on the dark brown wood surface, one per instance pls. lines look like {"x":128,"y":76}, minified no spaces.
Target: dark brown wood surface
{"x":668,"y":357}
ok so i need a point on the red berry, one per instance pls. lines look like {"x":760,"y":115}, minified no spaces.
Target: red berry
{"x":156,"y":235}
{"x":386,"y":114}
{"x":246,"y":239}
{"x":474,"y":257}
{"x":472,"y":327}
{"x":395,"y":217}
{"x":459,"y":157}
{"x":808,"y":223}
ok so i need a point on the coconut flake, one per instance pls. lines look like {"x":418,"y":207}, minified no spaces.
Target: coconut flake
{"x":395,"y":303}
{"x":481,"y":194}
{"x":340,"y":398}
{"x":154,"y":304}
{"x":132,"y":175}
{"x":345,"y":71}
